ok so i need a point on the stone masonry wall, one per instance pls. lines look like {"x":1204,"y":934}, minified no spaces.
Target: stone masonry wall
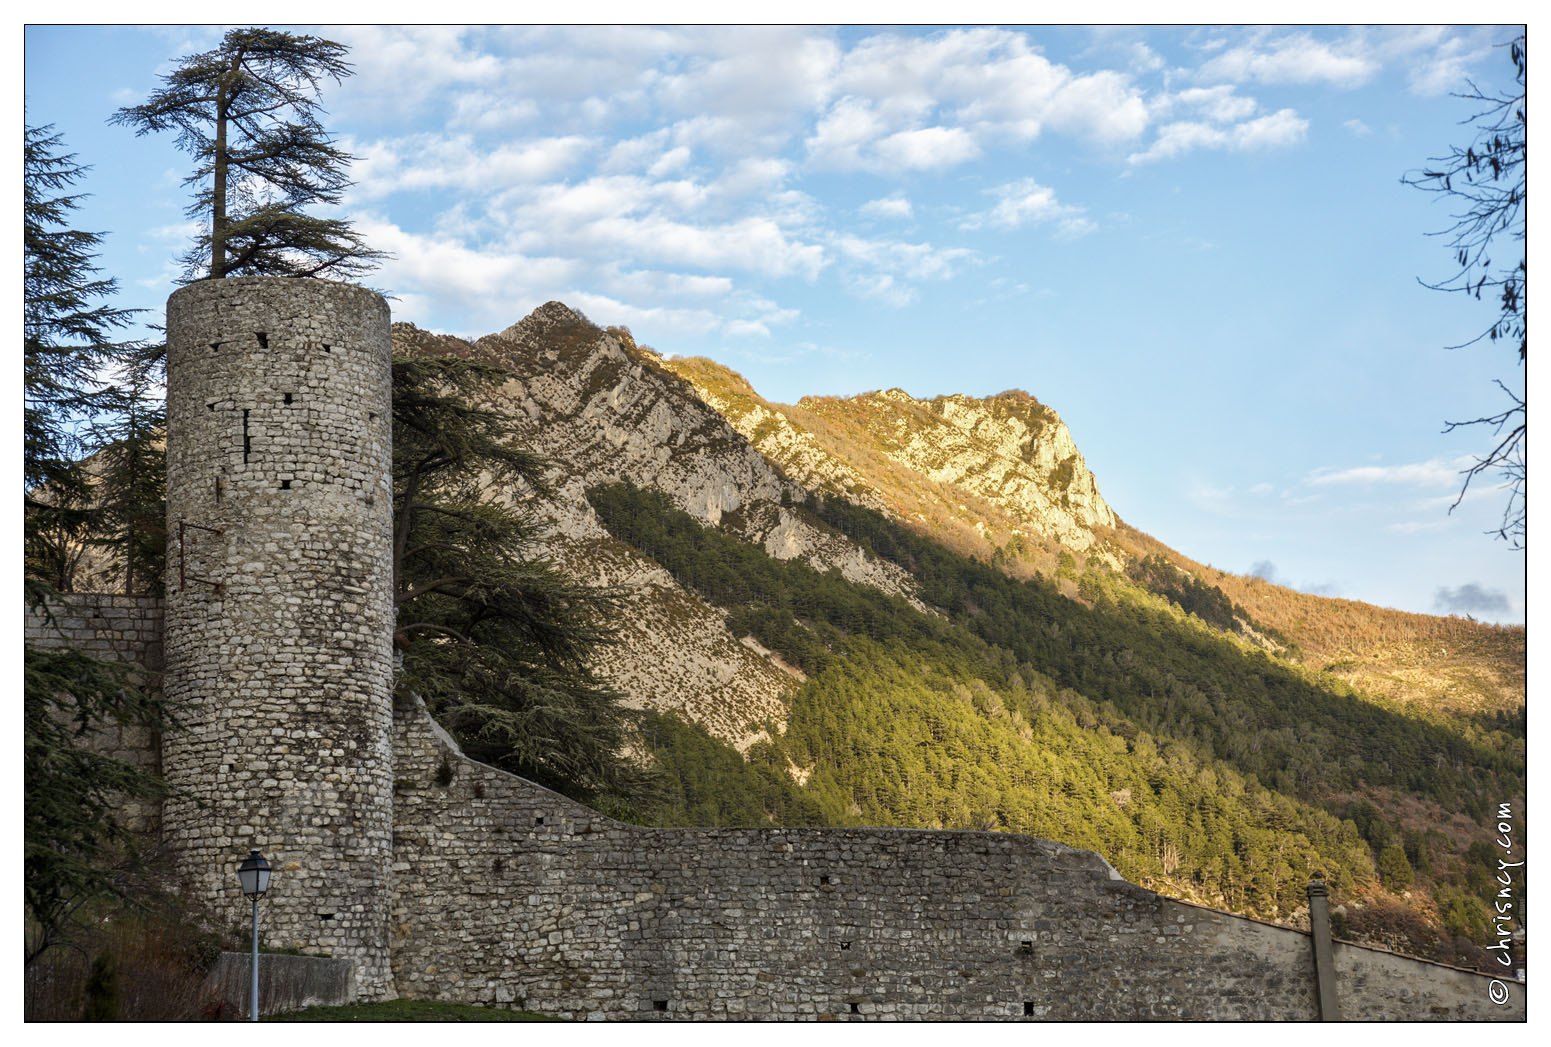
{"x":114,"y":628}
{"x":279,"y":607}
{"x":508,"y":894}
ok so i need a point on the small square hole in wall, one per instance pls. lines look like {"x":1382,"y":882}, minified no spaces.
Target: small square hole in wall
{"x":287,"y":399}
{"x":845,"y":946}
{"x":659,"y":1005}
{"x":1026,"y":946}
{"x":212,"y":407}
{"x":327,"y":348}
{"x":263,"y":339}
{"x":215,"y":345}
{"x":856,"y":1008}
{"x":824,"y":881}
{"x":325,"y":916}
{"x":285,"y":485}
{"x":1028,"y":1008}
{"x":538,"y":820}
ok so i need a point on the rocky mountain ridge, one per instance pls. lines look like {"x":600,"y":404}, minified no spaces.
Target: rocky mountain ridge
{"x":602,"y":411}
{"x":999,"y":477}
{"x":1003,"y":470}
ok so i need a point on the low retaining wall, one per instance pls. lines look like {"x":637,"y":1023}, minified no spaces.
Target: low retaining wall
{"x":286,"y":983}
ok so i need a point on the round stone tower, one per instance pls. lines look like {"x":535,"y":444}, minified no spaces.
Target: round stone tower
{"x":279,"y":621}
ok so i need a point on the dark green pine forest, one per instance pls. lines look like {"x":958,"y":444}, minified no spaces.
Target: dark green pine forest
{"x":1196,"y":764}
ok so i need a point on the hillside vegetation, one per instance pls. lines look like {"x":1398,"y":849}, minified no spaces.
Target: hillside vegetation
{"x":1195,"y":763}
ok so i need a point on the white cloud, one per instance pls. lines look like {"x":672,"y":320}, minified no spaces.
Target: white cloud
{"x":1219,"y":103}
{"x":914,"y":101}
{"x":608,"y":312}
{"x":746,"y":328}
{"x":1181,"y":137}
{"x":927,"y":147}
{"x":881,"y":286}
{"x":763,"y":81}
{"x":1102,"y":106}
{"x":1420,"y":526}
{"x":1294,"y":59}
{"x":441,"y":57}
{"x":887,"y":207}
{"x":1357,"y":128}
{"x":1435,"y":472}
{"x":656,"y":285}
{"x":490,"y":287}
{"x":433,"y":161}
{"x":654,"y":223}
{"x":673,"y":160}
{"x":914,"y":261}
{"x":1276,"y":130}
{"x":840,"y":136}
{"x":1024,"y":202}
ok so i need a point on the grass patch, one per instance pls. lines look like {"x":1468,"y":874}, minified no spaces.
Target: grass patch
{"x":410,"y":1011}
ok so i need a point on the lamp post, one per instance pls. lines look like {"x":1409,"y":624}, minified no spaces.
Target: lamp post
{"x":253,"y":874}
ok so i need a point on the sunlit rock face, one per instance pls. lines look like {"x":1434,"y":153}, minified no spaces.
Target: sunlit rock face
{"x":601,"y":411}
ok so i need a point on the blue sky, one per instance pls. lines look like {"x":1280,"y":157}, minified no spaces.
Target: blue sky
{"x":1193,"y":243}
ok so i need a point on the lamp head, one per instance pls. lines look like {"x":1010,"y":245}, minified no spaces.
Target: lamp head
{"x":254,"y":874}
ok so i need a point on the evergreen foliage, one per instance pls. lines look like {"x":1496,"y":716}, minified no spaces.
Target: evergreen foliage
{"x":68,"y":322}
{"x":248,"y":113}
{"x":130,"y":493}
{"x":706,"y":782}
{"x":1186,"y":758}
{"x":68,"y":326}
{"x":494,"y":639}
{"x":1191,"y":595}
{"x":75,"y":847}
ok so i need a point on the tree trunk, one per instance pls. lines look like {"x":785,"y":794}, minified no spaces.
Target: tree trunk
{"x":224,"y":94}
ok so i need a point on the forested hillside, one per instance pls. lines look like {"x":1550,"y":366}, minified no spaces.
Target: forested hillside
{"x":1194,"y":763}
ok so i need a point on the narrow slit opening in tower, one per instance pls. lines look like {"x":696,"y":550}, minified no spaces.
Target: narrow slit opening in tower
{"x":1028,"y":1008}
{"x":212,"y":407}
{"x":287,"y":399}
{"x":263,"y":339}
{"x":285,"y":485}
{"x":247,"y":439}
{"x":856,"y":1008}
{"x":327,"y":348}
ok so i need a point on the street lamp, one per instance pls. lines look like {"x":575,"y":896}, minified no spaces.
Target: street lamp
{"x":253,"y":874}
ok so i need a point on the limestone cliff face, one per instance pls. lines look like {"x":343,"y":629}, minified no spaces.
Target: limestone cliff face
{"x":1004,"y":466}
{"x":605,"y":411}
{"x":601,"y":411}
{"x":1008,"y":448}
